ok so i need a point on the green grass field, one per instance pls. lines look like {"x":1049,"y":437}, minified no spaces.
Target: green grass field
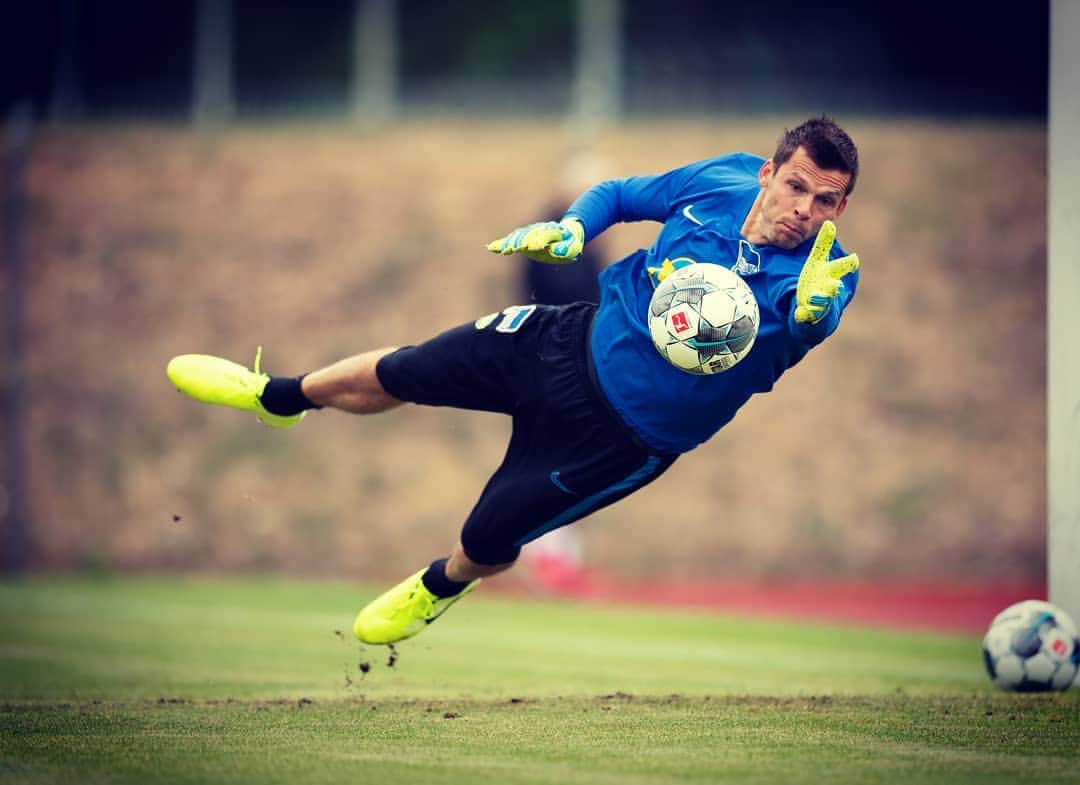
{"x":258,"y":681}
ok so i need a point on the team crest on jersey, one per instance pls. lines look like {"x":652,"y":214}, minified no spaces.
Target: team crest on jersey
{"x":749,"y":261}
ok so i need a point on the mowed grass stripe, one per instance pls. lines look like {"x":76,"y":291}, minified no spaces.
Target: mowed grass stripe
{"x":597,"y":740}
{"x":211,"y":638}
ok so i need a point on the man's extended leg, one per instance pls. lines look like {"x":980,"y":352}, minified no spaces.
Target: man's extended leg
{"x":350,"y":385}
{"x":420,"y":599}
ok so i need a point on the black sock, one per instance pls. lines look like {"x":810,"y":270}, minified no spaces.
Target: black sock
{"x":438,"y":584}
{"x":282,"y":396}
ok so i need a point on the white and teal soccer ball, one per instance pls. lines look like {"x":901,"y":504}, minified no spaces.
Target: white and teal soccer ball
{"x":1032,"y":646}
{"x":703,"y":318}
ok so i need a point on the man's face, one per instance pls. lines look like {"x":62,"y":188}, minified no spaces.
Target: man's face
{"x":799,"y":197}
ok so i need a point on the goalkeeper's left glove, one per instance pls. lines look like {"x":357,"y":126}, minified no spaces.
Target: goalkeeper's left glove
{"x":551,"y":242}
{"x":819,"y":285}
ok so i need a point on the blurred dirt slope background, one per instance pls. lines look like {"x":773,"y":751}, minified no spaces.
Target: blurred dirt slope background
{"x":910,"y":446}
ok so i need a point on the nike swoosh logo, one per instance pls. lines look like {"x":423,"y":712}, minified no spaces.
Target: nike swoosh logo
{"x":559,"y":484}
{"x":686,"y":212}
{"x":451,"y":601}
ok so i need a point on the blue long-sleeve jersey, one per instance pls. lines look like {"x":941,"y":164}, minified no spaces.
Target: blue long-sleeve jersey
{"x":702,"y":207}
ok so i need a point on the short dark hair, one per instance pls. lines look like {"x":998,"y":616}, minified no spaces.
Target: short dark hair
{"x":827,"y":144}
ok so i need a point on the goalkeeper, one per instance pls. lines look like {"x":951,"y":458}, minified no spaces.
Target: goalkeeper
{"x":597,"y":412}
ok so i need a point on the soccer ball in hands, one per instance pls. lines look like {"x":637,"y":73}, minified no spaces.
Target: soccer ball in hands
{"x":1032,"y":646}
{"x":703,"y":318}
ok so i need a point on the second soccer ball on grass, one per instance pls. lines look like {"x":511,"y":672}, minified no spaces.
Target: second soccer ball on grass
{"x":1032,"y":646}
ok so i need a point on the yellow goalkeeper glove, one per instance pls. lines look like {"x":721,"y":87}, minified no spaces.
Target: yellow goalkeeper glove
{"x":819,"y":281}
{"x":551,"y":242}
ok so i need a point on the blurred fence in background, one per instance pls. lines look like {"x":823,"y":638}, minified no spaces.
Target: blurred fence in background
{"x":366,"y":59}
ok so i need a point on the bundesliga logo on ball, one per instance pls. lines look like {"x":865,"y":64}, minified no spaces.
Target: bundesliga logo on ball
{"x":703,"y":318}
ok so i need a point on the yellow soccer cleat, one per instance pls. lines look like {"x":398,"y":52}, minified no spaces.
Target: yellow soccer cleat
{"x":403,"y":611}
{"x":225,"y":383}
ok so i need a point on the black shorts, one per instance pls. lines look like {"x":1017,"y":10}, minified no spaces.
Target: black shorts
{"x":569,"y":453}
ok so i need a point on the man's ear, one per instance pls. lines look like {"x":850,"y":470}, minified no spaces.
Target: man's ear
{"x":841,"y":207}
{"x":765,"y":172}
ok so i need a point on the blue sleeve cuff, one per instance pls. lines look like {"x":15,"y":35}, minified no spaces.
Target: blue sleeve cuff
{"x":813,"y":333}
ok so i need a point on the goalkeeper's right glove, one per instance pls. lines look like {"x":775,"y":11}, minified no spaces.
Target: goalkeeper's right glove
{"x":551,"y":242}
